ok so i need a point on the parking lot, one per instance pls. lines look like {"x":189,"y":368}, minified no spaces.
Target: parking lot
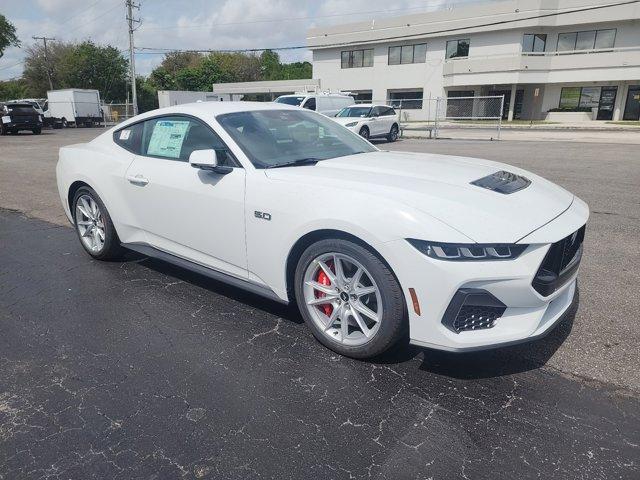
{"x":136,"y":369}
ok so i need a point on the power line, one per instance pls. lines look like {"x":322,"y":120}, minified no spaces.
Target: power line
{"x":160,"y":51}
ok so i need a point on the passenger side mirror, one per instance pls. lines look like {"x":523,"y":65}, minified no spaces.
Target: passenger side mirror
{"x":208,"y":160}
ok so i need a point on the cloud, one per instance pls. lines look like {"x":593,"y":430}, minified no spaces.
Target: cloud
{"x":197,"y":24}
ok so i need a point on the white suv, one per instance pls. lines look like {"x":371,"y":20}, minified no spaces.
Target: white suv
{"x":326,"y":103}
{"x":370,"y":121}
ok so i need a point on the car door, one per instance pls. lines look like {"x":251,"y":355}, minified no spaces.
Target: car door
{"x":195,"y":214}
{"x":377,"y":123}
{"x":388,"y":117}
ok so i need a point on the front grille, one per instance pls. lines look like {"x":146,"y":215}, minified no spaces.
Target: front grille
{"x":472,"y":309}
{"x":560,"y":263}
{"x":476,"y":317}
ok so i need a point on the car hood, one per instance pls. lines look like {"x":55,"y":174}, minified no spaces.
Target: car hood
{"x":440,"y":186}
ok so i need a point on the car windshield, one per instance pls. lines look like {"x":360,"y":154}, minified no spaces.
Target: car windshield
{"x":271,"y":138}
{"x":295,"y":101}
{"x":354,"y":112}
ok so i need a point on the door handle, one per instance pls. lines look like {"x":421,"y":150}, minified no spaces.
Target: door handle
{"x":138,"y":179}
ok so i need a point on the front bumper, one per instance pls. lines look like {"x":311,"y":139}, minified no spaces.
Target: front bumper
{"x":22,"y":125}
{"x":528,"y":315}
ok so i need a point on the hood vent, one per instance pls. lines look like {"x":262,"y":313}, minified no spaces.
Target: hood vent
{"x":503,"y":182}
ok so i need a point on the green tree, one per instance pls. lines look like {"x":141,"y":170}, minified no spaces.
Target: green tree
{"x":98,"y":67}
{"x":270,"y":65}
{"x":8,"y":36}
{"x":147,"y":94}
{"x":83,"y":65}
{"x":35,"y":66}
{"x":13,"y":89}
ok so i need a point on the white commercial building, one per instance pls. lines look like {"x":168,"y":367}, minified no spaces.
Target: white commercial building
{"x":581,"y":57}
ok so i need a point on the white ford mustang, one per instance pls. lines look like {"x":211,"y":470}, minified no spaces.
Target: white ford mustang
{"x":455,"y":253}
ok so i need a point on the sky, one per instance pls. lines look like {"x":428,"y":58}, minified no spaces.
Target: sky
{"x":193,"y":24}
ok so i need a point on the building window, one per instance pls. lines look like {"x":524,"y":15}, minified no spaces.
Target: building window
{"x":357,"y":58}
{"x":362,"y":96}
{"x":579,"y":98}
{"x":534,"y":42}
{"x":586,"y":40}
{"x":458,"y":48}
{"x":405,"y":99}
{"x":408,"y":54}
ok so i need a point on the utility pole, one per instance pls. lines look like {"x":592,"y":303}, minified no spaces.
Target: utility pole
{"x":46,"y":58}
{"x":132,"y":63}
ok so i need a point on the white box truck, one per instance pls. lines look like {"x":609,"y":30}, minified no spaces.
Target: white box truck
{"x":75,"y":106}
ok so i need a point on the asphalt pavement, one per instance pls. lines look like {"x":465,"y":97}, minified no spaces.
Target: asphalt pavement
{"x":136,"y":369}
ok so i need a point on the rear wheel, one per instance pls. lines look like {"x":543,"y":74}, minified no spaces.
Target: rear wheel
{"x":349,"y":298}
{"x":65,"y":124}
{"x":364,"y":132}
{"x":37,"y":131}
{"x":393,"y":133}
{"x":94,"y":226}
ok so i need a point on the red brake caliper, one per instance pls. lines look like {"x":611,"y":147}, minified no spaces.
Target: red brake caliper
{"x":322,"y":278}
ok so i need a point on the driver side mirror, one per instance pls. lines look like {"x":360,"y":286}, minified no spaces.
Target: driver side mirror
{"x":208,"y":160}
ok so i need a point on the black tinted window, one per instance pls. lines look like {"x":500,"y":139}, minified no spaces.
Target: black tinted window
{"x":310,"y":104}
{"x":129,"y":138}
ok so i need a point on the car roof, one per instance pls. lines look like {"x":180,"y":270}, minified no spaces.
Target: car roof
{"x":369,"y":105}
{"x":208,"y":109}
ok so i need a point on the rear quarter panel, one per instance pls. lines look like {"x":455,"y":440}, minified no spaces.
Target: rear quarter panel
{"x":102,"y":166}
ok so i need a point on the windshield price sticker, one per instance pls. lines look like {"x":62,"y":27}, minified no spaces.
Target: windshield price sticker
{"x":6,"y":119}
{"x":124,"y":134}
{"x":167,"y":138}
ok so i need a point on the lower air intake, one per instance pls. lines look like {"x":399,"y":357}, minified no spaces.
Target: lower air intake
{"x":472,"y":309}
{"x":473,"y":317}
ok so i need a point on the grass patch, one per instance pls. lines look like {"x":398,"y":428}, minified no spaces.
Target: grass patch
{"x":632,"y":123}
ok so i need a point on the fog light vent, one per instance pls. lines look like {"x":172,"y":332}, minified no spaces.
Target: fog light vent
{"x":472,"y":309}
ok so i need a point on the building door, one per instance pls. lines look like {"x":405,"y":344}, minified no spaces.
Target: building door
{"x":607,"y":103}
{"x":517,"y":110}
{"x":632,"y":107}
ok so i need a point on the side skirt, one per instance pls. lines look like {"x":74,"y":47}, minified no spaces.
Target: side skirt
{"x":152,"y":252}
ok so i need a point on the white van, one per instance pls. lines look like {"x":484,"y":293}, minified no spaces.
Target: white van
{"x":328,"y":104}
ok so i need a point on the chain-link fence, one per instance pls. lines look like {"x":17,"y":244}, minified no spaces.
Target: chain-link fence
{"x":115,"y":113}
{"x":469,"y":117}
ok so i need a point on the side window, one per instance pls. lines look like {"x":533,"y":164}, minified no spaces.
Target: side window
{"x":388,"y":111}
{"x":176,"y":137}
{"x":377,"y":111}
{"x":310,"y":103}
{"x":129,"y":138}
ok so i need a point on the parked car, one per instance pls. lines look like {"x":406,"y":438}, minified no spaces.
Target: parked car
{"x":75,"y":106}
{"x":20,"y":116}
{"x":370,"y":121}
{"x":456,"y":253}
{"x":326,"y":103}
{"x":42,"y":107}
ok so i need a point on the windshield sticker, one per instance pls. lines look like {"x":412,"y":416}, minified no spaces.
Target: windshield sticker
{"x":124,"y":134}
{"x":167,"y":138}
{"x":6,"y":119}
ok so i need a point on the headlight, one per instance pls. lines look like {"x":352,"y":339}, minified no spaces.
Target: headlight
{"x":468,"y":251}
{"x":352,"y":124}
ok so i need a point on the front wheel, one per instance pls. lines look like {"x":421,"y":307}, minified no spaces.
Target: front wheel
{"x":364,"y":133}
{"x":37,"y":131}
{"x":94,"y":226}
{"x":349,"y":298}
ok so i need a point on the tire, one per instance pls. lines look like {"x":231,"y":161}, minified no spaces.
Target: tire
{"x":37,"y":131}
{"x":387,"y":300}
{"x":64,"y":123}
{"x":393,"y":133}
{"x":364,"y":133}
{"x":110,"y":247}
